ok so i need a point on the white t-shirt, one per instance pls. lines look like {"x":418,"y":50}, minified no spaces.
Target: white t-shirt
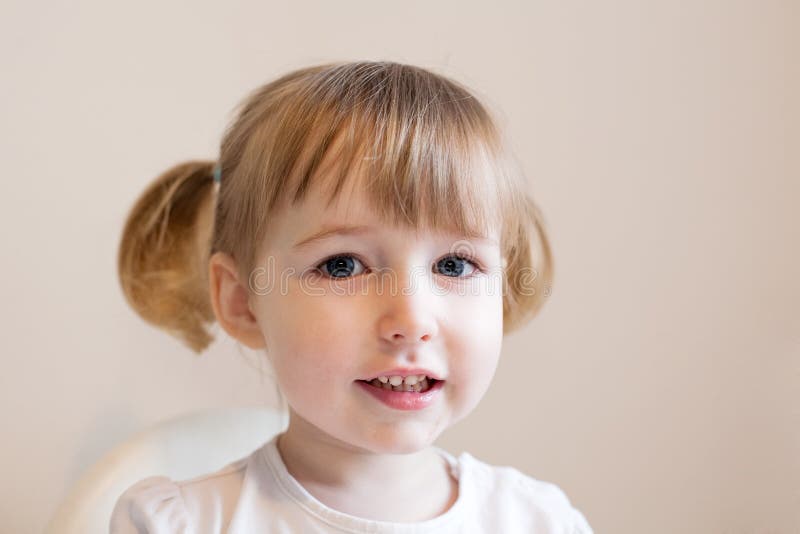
{"x":258,"y":495}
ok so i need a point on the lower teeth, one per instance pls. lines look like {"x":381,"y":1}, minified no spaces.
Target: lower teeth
{"x":419,"y":387}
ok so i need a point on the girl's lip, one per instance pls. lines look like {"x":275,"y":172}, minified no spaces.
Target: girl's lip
{"x":405,"y":371}
{"x":404,"y":400}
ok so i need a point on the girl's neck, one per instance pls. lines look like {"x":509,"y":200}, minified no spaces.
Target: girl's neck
{"x":388,"y":487}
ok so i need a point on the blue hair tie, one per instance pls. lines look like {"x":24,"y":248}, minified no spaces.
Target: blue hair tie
{"x":217,"y":173}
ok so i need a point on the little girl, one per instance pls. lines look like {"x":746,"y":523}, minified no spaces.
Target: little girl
{"x":366,"y":228}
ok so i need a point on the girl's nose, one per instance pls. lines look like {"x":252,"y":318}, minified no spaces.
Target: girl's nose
{"x":409,"y":316}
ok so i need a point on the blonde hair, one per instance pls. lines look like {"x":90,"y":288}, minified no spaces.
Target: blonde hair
{"x":429,"y":153}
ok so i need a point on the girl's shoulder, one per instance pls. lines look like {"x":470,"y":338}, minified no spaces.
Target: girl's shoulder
{"x":159,"y":504}
{"x":507,"y":492}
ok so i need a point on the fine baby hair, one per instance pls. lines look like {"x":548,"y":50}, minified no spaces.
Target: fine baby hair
{"x":432,"y":151}
{"x":371,"y":163}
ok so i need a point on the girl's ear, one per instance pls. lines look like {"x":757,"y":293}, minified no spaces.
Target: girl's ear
{"x":229,"y":298}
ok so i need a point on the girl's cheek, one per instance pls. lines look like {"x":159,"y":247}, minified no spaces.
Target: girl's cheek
{"x":478,"y":310}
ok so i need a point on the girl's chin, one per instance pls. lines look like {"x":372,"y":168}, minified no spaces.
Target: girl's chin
{"x":398,"y":442}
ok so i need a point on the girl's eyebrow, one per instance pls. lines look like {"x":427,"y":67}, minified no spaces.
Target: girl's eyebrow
{"x":330,"y":231}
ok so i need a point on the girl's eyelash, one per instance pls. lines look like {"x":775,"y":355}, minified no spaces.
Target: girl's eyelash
{"x":475,"y":263}
{"x":337,"y":256}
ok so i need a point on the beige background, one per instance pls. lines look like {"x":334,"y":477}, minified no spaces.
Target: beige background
{"x":660,"y":386}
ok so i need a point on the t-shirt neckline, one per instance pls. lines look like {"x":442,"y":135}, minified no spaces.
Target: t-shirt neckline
{"x":295,"y":491}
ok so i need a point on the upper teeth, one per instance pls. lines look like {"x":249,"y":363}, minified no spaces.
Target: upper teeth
{"x":396,"y":380}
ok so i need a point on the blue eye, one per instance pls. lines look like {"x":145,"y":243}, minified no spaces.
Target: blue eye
{"x":343,"y":265}
{"x":453,"y":266}
{"x":338,"y":266}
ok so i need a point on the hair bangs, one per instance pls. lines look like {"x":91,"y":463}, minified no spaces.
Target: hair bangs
{"x":421,"y":163}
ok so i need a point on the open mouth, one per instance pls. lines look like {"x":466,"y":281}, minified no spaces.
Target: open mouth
{"x":410,"y":384}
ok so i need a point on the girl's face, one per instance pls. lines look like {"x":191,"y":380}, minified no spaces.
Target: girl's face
{"x":345,"y":303}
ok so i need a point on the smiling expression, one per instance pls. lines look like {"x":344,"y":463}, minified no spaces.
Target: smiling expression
{"x":352,"y":300}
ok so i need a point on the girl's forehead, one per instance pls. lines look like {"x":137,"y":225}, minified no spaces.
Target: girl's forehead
{"x":353,"y":205}
{"x":320,"y":212}
{"x":320,"y":207}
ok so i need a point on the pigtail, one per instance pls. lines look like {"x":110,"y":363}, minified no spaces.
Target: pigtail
{"x":529,"y":271}
{"x":163,"y":254}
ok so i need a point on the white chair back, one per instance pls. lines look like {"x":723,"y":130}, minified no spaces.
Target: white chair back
{"x":180,"y":448}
